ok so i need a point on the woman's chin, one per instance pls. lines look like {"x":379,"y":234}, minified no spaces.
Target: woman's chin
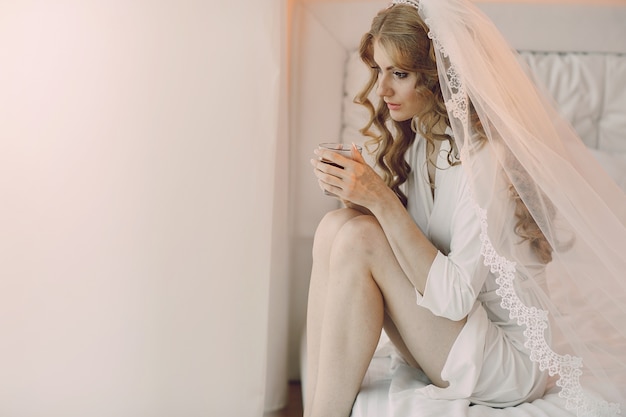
{"x":399,"y":117}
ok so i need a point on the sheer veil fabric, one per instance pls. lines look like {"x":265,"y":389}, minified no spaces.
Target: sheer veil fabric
{"x":579,"y":209}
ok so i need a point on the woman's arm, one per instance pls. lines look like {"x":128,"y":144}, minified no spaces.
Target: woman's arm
{"x":414,"y":252}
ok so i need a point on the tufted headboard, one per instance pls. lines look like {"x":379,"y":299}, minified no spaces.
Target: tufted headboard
{"x":577,"y":51}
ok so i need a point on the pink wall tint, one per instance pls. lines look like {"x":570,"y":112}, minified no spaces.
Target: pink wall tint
{"x":137,"y":163}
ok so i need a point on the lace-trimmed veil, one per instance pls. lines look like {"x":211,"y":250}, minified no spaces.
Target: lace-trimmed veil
{"x":577,"y":206}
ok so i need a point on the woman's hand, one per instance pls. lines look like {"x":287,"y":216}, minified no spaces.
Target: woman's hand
{"x":356,"y":184}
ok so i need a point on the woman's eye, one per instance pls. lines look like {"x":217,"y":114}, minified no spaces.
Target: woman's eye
{"x":400,"y":75}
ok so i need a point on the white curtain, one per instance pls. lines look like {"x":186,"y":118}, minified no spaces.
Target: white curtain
{"x":143,"y":207}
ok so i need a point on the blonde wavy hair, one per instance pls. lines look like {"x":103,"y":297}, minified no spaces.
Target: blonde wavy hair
{"x":404,"y":35}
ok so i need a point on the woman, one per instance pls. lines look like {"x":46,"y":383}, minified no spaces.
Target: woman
{"x":447,"y":249}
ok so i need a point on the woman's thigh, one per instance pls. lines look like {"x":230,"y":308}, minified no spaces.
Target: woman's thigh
{"x":416,"y":331}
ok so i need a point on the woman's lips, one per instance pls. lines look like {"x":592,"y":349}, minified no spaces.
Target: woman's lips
{"x":393,"y":106}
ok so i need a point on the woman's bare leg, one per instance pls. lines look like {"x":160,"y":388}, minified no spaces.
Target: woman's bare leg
{"x":349,"y":305}
{"x":324,"y":238}
{"x":351,"y":326}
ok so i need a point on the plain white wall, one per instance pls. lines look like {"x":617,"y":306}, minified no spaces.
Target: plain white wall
{"x":138,"y":150}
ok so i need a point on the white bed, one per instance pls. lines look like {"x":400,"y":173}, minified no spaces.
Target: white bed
{"x":578,"y":51}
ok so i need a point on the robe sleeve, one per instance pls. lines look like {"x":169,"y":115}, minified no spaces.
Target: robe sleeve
{"x":455,"y":280}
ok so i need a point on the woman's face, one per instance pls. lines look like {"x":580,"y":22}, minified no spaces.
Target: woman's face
{"x":396,"y":86}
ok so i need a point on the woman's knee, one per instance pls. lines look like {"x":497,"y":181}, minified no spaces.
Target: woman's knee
{"x":358,"y":237}
{"x":328,"y":227}
{"x":335,"y":219}
{"x":351,"y":257}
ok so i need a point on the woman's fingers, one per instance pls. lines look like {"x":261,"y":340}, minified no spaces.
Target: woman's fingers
{"x":333,"y":158}
{"x":325,"y":167}
{"x":343,"y":176}
{"x":356,"y":155}
{"x":327,"y":174}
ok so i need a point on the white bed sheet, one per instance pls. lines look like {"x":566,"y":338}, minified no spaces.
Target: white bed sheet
{"x":389,"y":389}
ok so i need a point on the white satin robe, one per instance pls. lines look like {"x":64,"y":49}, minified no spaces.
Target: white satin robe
{"x":488,"y":363}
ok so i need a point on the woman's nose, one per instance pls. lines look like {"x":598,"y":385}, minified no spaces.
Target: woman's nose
{"x":382,"y":89}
